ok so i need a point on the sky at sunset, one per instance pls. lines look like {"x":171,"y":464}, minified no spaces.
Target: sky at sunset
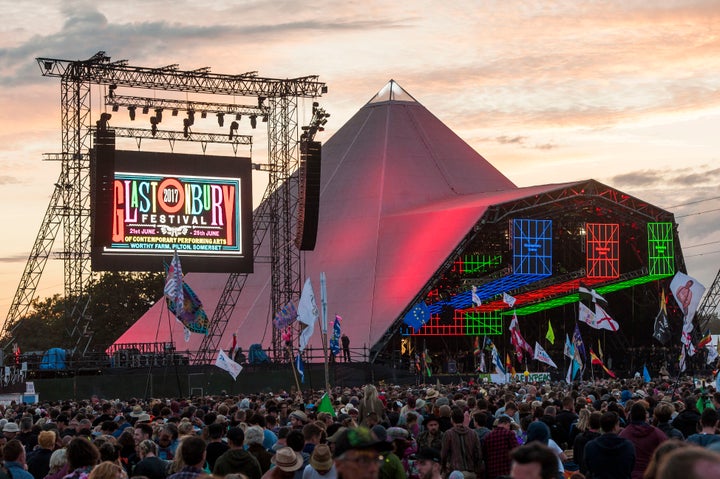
{"x":625,"y":92}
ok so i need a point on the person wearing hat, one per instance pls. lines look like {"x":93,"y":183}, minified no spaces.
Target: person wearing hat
{"x":10,"y":430}
{"x":427,"y":461}
{"x":432,"y":435}
{"x":393,"y":466}
{"x":236,"y":459}
{"x":298,"y":419}
{"x":357,"y":454}
{"x":254,"y":438}
{"x":321,"y":464}
{"x":287,"y":462}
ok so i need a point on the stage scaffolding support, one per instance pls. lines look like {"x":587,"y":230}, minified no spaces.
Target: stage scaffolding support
{"x":70,"y":203}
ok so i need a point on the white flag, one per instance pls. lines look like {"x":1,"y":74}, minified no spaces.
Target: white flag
{"x":510,"y":300}
{"x":586,"y":315}
{"x":475,"y":298}
{"x":224,"y":362}
{"x":307,"y":313}
{"x":542,"y":356}
{"x":712,"y":353}
{"x":604,"y":321}
{"x":569,"y":350}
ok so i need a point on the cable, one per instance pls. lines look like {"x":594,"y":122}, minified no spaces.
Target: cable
{"x":693,"y":202}
{"x":698,"y":213}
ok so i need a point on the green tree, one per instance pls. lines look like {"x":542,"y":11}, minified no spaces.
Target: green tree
{"x":113,"y":303}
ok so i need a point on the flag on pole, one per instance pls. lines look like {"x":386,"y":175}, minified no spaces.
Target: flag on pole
{"x":482,"y":366}
{"x":173,"y":291}
{"x":646,"y":374}
{"x":705,"y":340}
{"x":590,"y":295}
{"x":417,"y":316}
{"x":191,"y":315}
{"x":325,"y":405}
{"x":712,"y":354}
{"x":510,"y":300}
{"x":550,"y":335}
{"x":604,"y":321}
{"x":586,"y":315}
{"x":509,"y":365}
{"x":226,"y":364}
{"x":307,"y":313}
{"x":542,"y":356}
{"x":286,"y":316}
{"x":661,"y":330}
{"x":517,"y":339}
{"x":683,"y":359}
{"x":578,"y":342}
{"x":596,"y":360}
{"x":300,"y":368}
{"x":687,"y":292}
{"x":569,"y":350}
{"x":233,"y":347}
{"x":599,"y":349}
{"x":335,"y":339}
{"x":475,"y":298}
{"x":497,"y":362}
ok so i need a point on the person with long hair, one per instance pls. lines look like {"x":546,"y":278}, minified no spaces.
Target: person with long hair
{"x":82,"y":456}
{"x":371,"y":403}
{"x":659,"y":454}
{"x":108,"y":470}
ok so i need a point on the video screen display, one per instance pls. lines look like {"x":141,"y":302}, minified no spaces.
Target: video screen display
{"x":148,"y":205}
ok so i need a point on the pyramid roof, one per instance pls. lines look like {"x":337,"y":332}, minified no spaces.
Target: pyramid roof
{"x":399,"y":191}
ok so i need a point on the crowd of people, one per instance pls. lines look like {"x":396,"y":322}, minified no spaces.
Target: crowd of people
{"x":603,"y":429}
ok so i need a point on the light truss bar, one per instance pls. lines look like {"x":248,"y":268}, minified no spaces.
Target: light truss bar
{"x":180,"y":136}
{"x":184,"y":105}
{"x":100,"y":70}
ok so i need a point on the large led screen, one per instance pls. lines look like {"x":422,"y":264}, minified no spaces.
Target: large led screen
{"x":148,"y":205}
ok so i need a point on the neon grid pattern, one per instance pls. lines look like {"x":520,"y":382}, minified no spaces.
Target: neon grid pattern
{"x":532,"y":246}
{"x":464,"y":323}
{"x":477,"y":263}
{"x":661,"y":251}
{"x":603,"y":250}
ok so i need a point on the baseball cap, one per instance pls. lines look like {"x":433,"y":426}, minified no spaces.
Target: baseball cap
{"x":358,"y":438}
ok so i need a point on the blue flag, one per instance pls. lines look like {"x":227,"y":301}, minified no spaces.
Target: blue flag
{"x":646,"y":374}
{"x":578,"y":342}
{"x":417,"y":316}
{"x":335,"y":339}
{"x":300,"y":368}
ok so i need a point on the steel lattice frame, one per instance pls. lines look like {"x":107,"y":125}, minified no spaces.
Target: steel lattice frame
{"x":70,"y":203}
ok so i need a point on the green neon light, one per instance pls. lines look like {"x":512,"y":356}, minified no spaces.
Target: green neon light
{"x":574,"y":297}
{"x":480,"y":263}
{"x":483,"y":323}
{"x":661,"y":251}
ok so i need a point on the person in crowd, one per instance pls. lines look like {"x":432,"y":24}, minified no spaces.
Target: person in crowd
{"x":496,"y":447}
{"x":108,"y":470}
{"x":58,"y":465}
{"x":533,"y":461}
{"x":708,"y":427}
{"x":428,"y":463}
{"x":167,"y":441}
{"x":590,"y":431}
{"x":254,"y":438}
{"x":660,"y":453}
{"x":150,"y":465}
{"x":357,"y":454}
{"x":461,"y":449}
{"x":662,"y":415}
{"x":321,"y":464}
{"x":27,"y":435}
{"x":216,"y":446}
{"x":540,"y":432}
{"x":286,"y":463}
{"x":38,"y":461}
{"x":370,"y":403}
{"x":564,"y":419}
{"x":644,"y":437}
{"x":237,"y":459}
{"x":82,"y":456}
{"x":14,"y":456}
{"x":192,"y":455}
{"x":690,"y":463}
{"x":688,"y":419}
{"x":431,"y":436}
{"x":609,"y":456}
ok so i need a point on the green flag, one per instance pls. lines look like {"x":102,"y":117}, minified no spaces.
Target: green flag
{"x":550,"y":336}
{"x":325,"y":405}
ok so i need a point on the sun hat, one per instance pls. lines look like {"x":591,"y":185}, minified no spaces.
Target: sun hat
{"x":11,"y":427}
{"x":137,"y":411}
{"x":431,"y":393}
{"x":358,"y":438}
{"x":287,"y":460}
{"x":299,"y":415}
{"x":321,"y":458}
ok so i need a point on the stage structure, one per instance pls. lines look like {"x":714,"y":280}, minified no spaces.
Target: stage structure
{"x":276,"y":105}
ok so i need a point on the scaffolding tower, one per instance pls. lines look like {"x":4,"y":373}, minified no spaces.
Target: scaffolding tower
{"x":277,"y":105}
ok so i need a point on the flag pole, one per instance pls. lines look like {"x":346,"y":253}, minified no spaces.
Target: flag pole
{"x":294,"y":366}
{"x":324,"y":327}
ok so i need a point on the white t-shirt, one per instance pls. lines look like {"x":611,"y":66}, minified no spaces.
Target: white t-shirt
{"x":557,"y":450}
{"x":311,"y":473}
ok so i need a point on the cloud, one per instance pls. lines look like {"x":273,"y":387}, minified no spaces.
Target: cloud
{"x":18,"y":258}
{"x":9,"y":180}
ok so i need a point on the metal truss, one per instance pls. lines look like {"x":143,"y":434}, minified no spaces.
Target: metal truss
{"x":709,"y":306}
{"x":145,"y":104}
{"x":70,"y":206}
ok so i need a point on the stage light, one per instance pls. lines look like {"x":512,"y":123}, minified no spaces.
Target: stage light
{"x":48,"y":65}
{"x":102,"y":122}
{"x":221,"y":119}
{"x":111,"y":90}
{"x":145,"y":110}
{"x":186,"y":127}
{"x":265,"y":118}
{"x":153,"y":125}
{"x":158,"y":114}
{"x":191,"y":117}
{"x":253,"y":121}
{"x":175,"y":112}
{"x":115,"y":107}
{"x":261,"y":99}
{"x":131,"y":111}
{"x":233,"y":128}
{"x":238,"y":116}
{"x":323,"y":89}
{"x":203,"y":114}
